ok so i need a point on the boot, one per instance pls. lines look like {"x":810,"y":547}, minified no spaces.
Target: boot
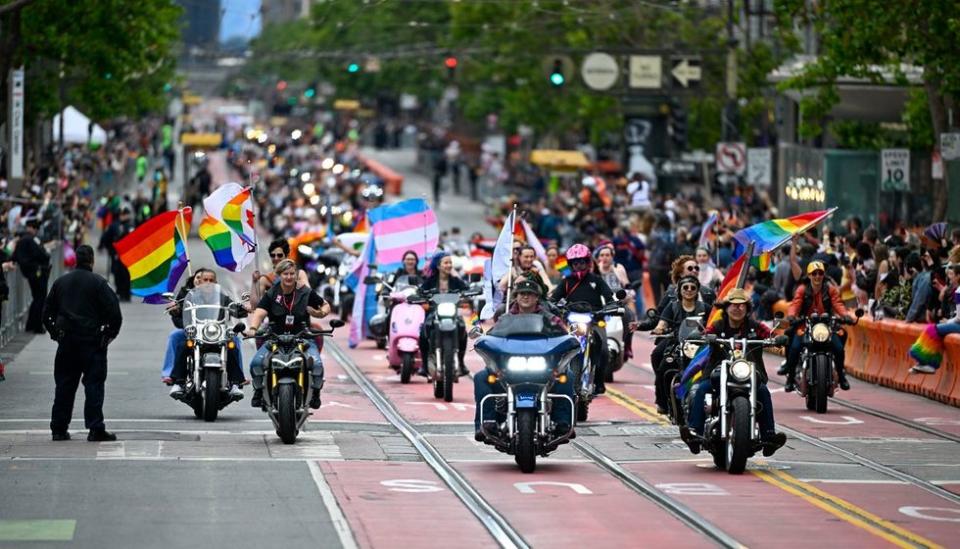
{"x":791,"y":384}
{"x":101,"y":435}
{"x":315,"y":400}
{"x":774,"y":443}
{"x":257,"y":400}
{"x":842,"y":378}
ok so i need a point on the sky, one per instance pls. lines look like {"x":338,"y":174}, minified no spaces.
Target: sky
{"x":237,"y":18}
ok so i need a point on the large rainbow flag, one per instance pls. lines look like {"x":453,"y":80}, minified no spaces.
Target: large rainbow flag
{"x":693,"y":372}
{"x":232,"y":205}
{"x":156,"y":254}
{"x":230,"y":251}
{"x":730,"y":281}
{"x":770,"y":235}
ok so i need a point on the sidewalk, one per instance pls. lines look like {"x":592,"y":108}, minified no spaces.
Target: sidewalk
{"x":454,"y":210}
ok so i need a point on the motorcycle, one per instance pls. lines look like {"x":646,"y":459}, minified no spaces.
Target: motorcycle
{"x":685,"y":342}
{"x":581,"y":319}
{"x":526,"y":363}
{"x":731,"y":432}
{"x":205,"y":323}
{"x":287,"y":379}
{"x":817,"y":379}
{"x":445,"y":327}
{"x":400,"y":324}
{"x":334,"y":266}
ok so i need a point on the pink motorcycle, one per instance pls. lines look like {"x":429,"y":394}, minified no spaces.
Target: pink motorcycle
{"x":405,"y":320}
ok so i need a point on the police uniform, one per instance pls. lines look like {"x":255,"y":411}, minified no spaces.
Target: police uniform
{"x":34,"y":263}
{"x":82,"y":314}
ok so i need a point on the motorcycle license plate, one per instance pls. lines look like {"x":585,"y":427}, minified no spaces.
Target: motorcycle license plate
{"x":526,"y":401}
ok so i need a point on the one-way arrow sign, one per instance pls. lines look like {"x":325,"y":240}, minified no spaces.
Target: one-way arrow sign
{"x":686,"y":71}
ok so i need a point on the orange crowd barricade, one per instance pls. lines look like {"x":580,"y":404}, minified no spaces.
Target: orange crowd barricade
{"x":392,"y":181}
{"x":878,"y":352}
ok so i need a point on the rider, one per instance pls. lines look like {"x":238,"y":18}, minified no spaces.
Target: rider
{"x":586,"y":287}
{"x":279,"y":249}
{"x":735,"y":322}
{"x":676,"y":312}
{"x":288,"y":308}
{"x":409,"y":264}
{"x":234,"y":359}
{"x":683,"y":266}
{"x":815,"y":295}
{"x":443,"y":281}
{"x":527,"y":303}
{"x":526,"y":269}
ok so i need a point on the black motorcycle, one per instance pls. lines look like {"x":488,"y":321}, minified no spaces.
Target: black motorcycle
{"x":444,"y":327}
{"x":287,"y":379}
{"x":817,"y":379}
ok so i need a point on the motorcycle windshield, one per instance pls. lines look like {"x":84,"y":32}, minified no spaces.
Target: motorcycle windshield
{"x":406,"y":281}
{"x":527,"y":345}
{"x":202,"y":304}
{"x":689,"y":328}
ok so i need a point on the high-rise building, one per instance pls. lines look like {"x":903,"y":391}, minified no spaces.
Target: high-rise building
{"x":200,"y":22}
{"x":282,"y":11}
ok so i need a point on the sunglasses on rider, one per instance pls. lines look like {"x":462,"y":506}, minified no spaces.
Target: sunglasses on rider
{"x":688,"y":288}
{"x":816,"y":273}
{"x":278,"y":255}
{"x":693,"y":269}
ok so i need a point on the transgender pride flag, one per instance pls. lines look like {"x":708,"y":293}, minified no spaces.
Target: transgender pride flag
{"x":394,"y":230}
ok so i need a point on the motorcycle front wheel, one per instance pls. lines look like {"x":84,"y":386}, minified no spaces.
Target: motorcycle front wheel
{"x":287,"y":412}
{"x":738,"y":436}
{"x":822,"y":376}
{"x":211,"y":394}
{"x":526,"y":450}
{"x":447,"y":353}
{"x":406,"y":367}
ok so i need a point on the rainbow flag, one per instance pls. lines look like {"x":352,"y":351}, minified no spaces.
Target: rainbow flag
{"x":770,"y":235}
{"x":706,"y":231}
{"x":232,"y":205}
{"x":229,"y":250}
{"x":928,"y":349}
{"x":156,"y":254}
{"x":693,"y":372}
{"x":762,"y":263}
{"x":729,"y":282}
{"x":562,"y":266}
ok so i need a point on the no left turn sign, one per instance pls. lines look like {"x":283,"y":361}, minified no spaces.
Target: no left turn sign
{"x":732,"y":158}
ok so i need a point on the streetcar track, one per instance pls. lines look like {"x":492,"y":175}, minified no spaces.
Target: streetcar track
{"x":856,"y":458}
{"x":498,"y":527}
{"x":593,"y":456}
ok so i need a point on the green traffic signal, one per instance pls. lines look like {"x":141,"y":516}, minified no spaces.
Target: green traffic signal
{"x":557,"y":79}
{"x":309,"y":93}
{"x":353,"y":67}
{"x":556,"y":75}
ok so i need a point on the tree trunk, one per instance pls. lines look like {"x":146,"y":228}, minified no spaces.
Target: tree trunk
{"x":938,"y":114}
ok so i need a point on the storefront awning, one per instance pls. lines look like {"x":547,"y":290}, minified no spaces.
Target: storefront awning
{"x":559,"y":160}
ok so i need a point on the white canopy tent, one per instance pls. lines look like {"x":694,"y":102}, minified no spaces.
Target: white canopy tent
{"x":76,"y":128}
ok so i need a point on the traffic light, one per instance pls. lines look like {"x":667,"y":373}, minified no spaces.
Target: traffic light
{"x":353,"y":67}
{"x":557,"y":79}
{"x":281,"y":85}
{"x":451,"y":63}
{"x":309,"y":92}
{"x":678,"y":125}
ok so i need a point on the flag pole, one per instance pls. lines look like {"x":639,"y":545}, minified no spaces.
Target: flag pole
{"x":253,"y":208}
{"x":184,"y":231}
{"x":742,"y":279}
{"x":513,"y":223}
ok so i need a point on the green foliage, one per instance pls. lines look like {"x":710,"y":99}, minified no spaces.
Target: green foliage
{"x":115,"y":55}
{"x":916,"y":115}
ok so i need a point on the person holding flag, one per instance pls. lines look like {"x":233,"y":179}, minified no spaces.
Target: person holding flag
{"x":735,"y":322}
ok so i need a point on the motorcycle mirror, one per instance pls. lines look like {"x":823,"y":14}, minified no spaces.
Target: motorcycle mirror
{"x":621,"y":294}
{"x":168,"y":296}
{"x":239,"y":327}
{"x":652,"y":313}
{"x":336,"y":323}
{"x":859,"y":313}
{"x":371,"y":280}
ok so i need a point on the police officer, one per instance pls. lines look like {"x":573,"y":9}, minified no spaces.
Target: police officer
{"x":83,"y":315}
{"x":34,"y":263}
{"x":121,"y":227}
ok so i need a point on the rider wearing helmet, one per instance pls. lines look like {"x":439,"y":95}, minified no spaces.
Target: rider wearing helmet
{"x":815,"y":295}
{"x":584,"y":286}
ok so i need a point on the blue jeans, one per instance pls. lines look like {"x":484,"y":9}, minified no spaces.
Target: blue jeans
{"x":697,"y":416}
{"x":559,"y":413}
{"x":946,"y":328}
{"x":176,"y":342}
{"x":256,"y":366}
{"x":174,"y":360}
{"x":796,"y":348}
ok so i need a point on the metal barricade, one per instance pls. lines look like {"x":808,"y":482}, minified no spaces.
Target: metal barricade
{"x":15,"y":308}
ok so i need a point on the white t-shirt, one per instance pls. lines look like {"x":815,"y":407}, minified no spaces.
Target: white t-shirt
{"x":639,"y":193}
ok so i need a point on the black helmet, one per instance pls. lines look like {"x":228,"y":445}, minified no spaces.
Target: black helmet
{"x":527,"y":286}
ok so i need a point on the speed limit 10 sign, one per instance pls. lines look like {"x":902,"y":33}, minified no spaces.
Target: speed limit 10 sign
{"x":895,"y":170}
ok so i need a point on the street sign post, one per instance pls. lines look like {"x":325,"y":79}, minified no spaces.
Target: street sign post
{"x":600,"y":71}
{"x":685,"y":71}
{"x":732,"y":158}
{"x":15,"y":153}
{"x":759,"y":166}
{"x":895,"y":170}
{"x":646,"y":72}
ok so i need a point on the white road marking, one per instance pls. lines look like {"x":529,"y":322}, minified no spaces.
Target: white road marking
{"x":339,"y":521}
{"x":111,"y":450}
{"x":872,"y":481}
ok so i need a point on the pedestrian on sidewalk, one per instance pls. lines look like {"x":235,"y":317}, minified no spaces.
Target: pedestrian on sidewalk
{"x":34,"y":262}
{"x":83,"y":316}
{"x":439,"y":170}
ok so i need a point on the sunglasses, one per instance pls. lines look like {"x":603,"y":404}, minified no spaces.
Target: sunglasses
{"x":693,"y":269}
{"x":688,"y":288}
{"x":278,"y":256}
{"x":738,"y":305}
{"x":579,"y":262}
{"x":816,"y":273}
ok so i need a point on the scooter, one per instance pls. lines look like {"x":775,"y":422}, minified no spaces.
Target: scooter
{"x":403,"y":320}
{"x":615,"y":348}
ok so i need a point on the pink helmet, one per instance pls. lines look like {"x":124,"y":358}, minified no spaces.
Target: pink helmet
{"x":578,"y":251}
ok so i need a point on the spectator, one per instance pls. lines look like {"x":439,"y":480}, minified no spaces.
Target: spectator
{"x":918,"y":268}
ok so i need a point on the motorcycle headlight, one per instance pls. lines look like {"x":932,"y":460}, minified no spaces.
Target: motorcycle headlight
{"x":446,"y":309}
{"x":689,"y":350}
{"x":526,"y":364}
{"x":740,"y":370}
{"x":212,"y":332}
{"x":820,"y":332}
